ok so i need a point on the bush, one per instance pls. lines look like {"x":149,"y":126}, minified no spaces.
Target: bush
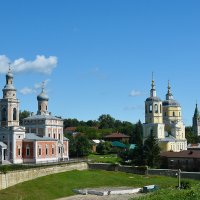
{"x":185,"y":185}
{"x":104,"y":148}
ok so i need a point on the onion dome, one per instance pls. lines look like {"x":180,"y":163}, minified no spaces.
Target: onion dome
{"x":9,"y":74}
{"x":153,"y":96}
{"x":43,"y":96}
{"x":170,"y":99}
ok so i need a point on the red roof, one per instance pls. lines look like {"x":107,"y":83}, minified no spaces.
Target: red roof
{"x":117,"y":135}
{"x":182,"y":154}
{"x":70,"y":129}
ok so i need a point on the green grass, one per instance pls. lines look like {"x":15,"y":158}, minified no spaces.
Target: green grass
{"x":110,"y":158}
{"x":61,"y":184}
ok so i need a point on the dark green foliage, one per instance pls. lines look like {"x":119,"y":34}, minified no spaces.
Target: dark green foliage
{"x":106,"y":121}
{"x":70,"y":123}
{"x":79,"y":146}
{"x":190,"y":136}
{"x":151,"y":151}
{"x":185,"y":185}
{"x":136,"y":137}
{"x":139,"y":156}
{"x":104,"y":148}
{"x":22,"y":115}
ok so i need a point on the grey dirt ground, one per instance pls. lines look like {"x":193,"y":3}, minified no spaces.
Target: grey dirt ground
{"x":95,"y":197}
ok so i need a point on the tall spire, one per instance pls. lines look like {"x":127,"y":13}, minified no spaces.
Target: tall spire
{"x":153,"y":89}
{"x":169,"y":94}
{"x":196,"y":111}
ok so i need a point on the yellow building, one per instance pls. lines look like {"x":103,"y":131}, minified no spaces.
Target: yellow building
{"x":164,"y":120}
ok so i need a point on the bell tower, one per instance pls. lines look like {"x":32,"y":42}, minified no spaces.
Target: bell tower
{"x":9,"y":105}
{"x":153,"y":107}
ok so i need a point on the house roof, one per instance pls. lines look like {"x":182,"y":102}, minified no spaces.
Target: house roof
{"x":65,"y":139}
{"x":117,"y":135}
{"x":118,"y":144}
{"x":72,"y":128}
{"x":182,"y":154}
{"x":33,"y":136}
{"x":35,"y":117}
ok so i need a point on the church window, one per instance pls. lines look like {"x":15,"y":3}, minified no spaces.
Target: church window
{"x":156,"y":108}
{"x":150,"y":109}
{"x":14,"y":114}
{"x":27,"y":151}
{"x":19,"y":151}
{"x":3,"y":114}
{"x":59,"y":150}
{"x":40,"y":151}
{"x":46,"y":150}
{"x":52,"y":150}
{"x":151,"y":132}
{"x":145,"y":109}
{"x":173,"y":114}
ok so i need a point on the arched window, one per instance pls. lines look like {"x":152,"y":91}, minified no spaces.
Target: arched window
{"x":146,"y":109}
{"x":3,"y":114}
{"x":151,"y":132}
{"x":156,"y":108}
{"x":150,"y":108}
{"x":14,"y":114}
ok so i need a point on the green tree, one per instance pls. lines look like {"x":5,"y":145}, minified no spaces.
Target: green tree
{"x":22,"y":115}
{"x":71,"y":123}
{"x":104,"y":148}
{"x":151,"y":151}
{"x":136,"y":137}
{"x":83,"y":146}
{"x":190,"y":136}
{"x":106,"y":121}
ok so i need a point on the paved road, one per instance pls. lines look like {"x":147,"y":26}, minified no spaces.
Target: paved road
{"x":95,"y":197}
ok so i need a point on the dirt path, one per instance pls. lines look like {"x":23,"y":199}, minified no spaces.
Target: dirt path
{"x":95,"y":197}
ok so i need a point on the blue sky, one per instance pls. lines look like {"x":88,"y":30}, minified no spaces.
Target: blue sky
{"x":97,"y":56}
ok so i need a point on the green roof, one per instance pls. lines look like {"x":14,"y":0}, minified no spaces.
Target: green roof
{"x":118,"y":144}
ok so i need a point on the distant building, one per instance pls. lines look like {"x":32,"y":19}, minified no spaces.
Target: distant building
{"x":117,"y":137}
{"x":196,"y":122}
{"x":188,"y":160}
{"x":164,"y":120}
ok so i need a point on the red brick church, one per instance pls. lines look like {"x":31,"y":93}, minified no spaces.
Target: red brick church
{"x":39,"y":140}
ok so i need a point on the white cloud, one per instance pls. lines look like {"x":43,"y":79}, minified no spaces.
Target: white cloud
{"x":37,"y":86}
{"x":27,"y":90}
{"x":41,"y":64}
{"x":135,"y":93}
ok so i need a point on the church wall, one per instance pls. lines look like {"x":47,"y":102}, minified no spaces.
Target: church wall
{"x":65,"y":143}
{"x":46,"y":145}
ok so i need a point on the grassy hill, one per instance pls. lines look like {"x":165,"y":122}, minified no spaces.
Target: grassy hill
{"x":60,"y":185}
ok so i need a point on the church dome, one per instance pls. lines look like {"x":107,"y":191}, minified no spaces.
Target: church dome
{"x":153,"y":99}
{"x":170,"y":99}
{"x":42,"y":96}
{"x":171,"y":102}
{"x":9,"y":74}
